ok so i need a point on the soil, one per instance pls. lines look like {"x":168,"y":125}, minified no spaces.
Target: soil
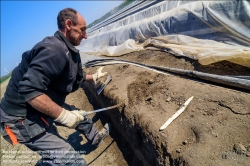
{"x":209,"y":132}
{"x":213,"y":130}
{"x":107,"y":153}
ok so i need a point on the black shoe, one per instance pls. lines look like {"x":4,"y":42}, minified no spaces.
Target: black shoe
{"x":103,"y":133}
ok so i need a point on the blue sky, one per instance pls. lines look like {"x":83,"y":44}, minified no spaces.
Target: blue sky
{"x":25,"y":23}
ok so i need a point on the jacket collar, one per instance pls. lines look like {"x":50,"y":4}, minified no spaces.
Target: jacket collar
{"x":60,"y":36}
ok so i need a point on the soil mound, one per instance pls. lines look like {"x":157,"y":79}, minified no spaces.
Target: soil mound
{"x":213,"y":130}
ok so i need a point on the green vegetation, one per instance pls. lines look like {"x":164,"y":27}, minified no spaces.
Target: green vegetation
{"x":122,"y":5}
{"x":4,"y":78}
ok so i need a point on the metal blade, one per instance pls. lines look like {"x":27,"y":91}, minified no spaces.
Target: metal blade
{"x":109,"y":78}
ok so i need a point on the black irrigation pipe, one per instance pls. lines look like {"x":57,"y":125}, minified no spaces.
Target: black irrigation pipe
{"x":242,"y":82}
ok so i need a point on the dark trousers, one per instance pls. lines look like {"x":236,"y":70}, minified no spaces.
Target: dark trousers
{"x":48,"y":143}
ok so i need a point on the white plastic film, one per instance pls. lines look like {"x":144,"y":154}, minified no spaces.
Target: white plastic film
{"x":209,"y":31}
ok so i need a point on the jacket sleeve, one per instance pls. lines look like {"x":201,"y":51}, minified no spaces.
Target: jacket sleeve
{"x":48,"y":63}
{"x":84,"y":76}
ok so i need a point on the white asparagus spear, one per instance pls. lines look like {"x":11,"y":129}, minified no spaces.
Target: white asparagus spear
{"x":170,"y":120}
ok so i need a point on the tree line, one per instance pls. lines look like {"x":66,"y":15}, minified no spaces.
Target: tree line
{"x":5,"y":77}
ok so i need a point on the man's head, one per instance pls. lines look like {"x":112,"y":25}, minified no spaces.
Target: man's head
{"x":72,"y":25}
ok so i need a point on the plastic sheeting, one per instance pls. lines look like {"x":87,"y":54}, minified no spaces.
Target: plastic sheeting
{"x":205,"y":51}
{"x":209,"y":31}
{"x":134,"y":7}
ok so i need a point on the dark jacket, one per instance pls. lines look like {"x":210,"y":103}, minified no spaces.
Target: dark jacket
{"x":52,"y":67}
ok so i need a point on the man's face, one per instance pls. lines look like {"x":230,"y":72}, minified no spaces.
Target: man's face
{"x":78,"y":31}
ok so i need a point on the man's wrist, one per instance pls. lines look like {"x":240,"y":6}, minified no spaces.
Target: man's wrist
{"x":89,"y":77}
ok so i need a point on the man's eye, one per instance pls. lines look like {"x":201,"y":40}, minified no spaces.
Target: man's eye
{"x":83,"y":29}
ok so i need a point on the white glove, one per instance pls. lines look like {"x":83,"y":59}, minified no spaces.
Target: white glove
{"x":98,"y":74}
{"x":70,"y":118}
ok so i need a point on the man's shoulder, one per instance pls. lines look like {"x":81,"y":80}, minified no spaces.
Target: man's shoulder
{"x":53,"y":43}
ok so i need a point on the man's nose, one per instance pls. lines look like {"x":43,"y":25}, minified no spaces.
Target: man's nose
{"x":84,"y":35}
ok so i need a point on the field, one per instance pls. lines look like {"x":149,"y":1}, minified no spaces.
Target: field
{"x":213,"y":130}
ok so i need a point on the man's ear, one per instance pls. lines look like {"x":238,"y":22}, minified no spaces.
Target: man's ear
{"x":68,"y":24}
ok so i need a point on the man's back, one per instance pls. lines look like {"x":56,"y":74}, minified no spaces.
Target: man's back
{"x":47,"y":68}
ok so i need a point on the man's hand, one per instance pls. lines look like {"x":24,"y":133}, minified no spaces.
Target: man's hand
{"x":70,"y":118}
{"x":98,"y":74}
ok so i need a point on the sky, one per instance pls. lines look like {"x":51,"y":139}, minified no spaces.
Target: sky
{"x":25,"y":23}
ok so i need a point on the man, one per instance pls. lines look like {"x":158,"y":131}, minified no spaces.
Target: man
{"x":36,"y":93}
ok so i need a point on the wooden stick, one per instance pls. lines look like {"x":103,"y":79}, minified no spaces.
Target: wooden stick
{"x":170,"y":120}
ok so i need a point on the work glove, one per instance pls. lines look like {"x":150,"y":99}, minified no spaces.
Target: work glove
{"x":98,"y":74}
{"x":70,"y":118}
